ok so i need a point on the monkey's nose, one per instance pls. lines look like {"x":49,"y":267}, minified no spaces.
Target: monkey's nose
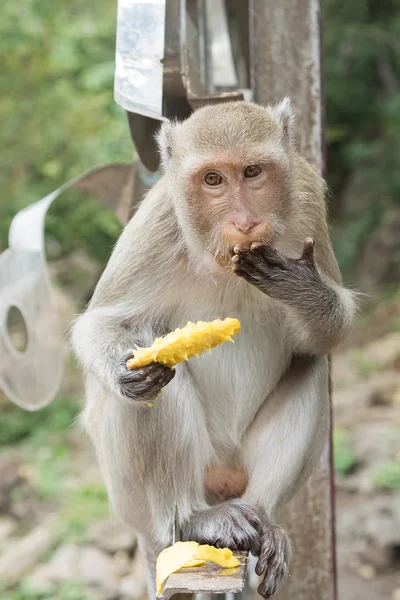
{"x":244,"y":223}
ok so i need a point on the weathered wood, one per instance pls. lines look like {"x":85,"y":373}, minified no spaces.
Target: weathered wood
{"x":285,"y":52}
{"x":207,"y":579}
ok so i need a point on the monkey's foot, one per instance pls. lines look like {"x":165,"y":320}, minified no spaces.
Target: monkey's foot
{"x":274,"y":559}
{"x":233,"y":524}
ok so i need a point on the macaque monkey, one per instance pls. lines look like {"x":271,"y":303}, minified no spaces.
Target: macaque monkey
{"x":235,"y":227}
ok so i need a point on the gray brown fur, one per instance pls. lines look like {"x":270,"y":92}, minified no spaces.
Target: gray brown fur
{"x":262,"y":402}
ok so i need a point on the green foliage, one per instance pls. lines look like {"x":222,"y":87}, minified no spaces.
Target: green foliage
{"x":394,"y":325}
{"x":57,"y":110}
{"x":364,"y":365}
{"x":83,"y":506}
{"x":345,"y":460}
{"x":387,"y":476}
{"x":59,"y":118}
{"x":47,"y":454}
{"x":56,"y":591}
{"x":17,"y":424}
{"x":361,"y":80}
{"x":78,"y":221}
{"x":49,"y":468}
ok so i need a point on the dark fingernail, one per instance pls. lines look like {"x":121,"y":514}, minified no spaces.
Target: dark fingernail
{"x":260,"y":567}
{"x":262,"y":591}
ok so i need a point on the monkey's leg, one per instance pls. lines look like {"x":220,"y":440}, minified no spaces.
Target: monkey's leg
{"x":148,"y":554}
{"x":152,"y":458}
{"x":281,"y":448}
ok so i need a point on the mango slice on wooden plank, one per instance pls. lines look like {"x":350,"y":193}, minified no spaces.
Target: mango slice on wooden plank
{"x":190,"y":554}
{"x":182,"y":344}
{"x":194,"y":563}
{"x":220,"y":556}
{"x":172,"y":559}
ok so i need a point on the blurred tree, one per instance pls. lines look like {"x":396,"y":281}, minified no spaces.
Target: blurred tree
{"x":57,"y":110}
{"x":59,"y":118}
{"x":362,"y":77}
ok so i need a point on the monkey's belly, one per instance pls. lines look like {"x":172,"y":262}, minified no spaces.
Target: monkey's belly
{"x":224,"y":483}
{"x":235,"y":381}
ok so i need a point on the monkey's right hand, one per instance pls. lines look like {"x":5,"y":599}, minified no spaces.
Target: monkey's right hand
{"x":144,"y":384}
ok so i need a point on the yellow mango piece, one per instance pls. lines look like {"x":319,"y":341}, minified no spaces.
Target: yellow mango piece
{"x":182,"y":344}
{"x":194,"y":563}
{"x":172,"y":559}
{"x":190,"y":554}
{"x":220,"y":556}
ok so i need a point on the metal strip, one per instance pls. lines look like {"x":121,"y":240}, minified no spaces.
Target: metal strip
{"x":31,"y":379}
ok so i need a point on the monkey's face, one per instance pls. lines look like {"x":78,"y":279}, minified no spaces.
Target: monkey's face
{"x":235,"y":202}
{"x":229,"y":168}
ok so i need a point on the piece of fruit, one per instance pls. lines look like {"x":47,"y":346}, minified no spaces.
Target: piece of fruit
{"x":194,"y":563}
{"x":172,"y":559}
{"x":182,"y":344}
{"x":190,"y":554}
{"x":220,"y":556}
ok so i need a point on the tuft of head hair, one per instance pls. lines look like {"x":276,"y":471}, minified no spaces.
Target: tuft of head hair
{"x":165,"y":139}
{"x":232,"y":125}
{"x":284,"y":114}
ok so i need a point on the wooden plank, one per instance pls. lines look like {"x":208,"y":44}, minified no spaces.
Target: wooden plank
{"x":285,"y":52}
{"x":208,"y":579}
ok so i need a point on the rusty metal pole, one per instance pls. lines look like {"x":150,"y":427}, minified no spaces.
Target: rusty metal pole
{"x":285,"y":38}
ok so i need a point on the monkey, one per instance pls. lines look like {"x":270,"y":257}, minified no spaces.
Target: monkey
{"x":236,"y":226}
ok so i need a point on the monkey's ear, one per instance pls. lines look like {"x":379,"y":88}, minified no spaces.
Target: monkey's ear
{"x":284,"y":113}
{"x":165,"y":140}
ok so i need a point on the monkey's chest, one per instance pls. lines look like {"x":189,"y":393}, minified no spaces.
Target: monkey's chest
{"x":236,"y":379}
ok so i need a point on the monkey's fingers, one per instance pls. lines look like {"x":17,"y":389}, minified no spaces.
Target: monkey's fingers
{"x":146,"y":382}
{"x":269,"y":253}
{"x":260,"y":256}
{"x":160,"y":378}
{"x":244,"y":274}
{"x":274,"y":559}
{"x":308,"y":250}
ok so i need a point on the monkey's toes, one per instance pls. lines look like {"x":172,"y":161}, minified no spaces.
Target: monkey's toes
{"x":274,"y":559}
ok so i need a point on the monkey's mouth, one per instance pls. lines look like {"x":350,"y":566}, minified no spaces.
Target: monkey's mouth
{"x":231,"y":239}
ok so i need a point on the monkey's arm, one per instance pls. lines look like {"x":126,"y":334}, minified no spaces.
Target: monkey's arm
{"x":102,"y":343}
{"x":320,"y":311}
{"x":127,"y":306}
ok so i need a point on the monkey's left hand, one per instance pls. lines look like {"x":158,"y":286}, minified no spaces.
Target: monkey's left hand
{"x":282,"y":278}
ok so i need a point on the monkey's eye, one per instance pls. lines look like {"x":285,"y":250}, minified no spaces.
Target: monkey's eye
{"x":252,"y":171}
{"x":213,"y":178}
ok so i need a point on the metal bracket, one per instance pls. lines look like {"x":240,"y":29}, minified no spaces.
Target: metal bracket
{"x":187,"y":67}
{"x":32,"y":378}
